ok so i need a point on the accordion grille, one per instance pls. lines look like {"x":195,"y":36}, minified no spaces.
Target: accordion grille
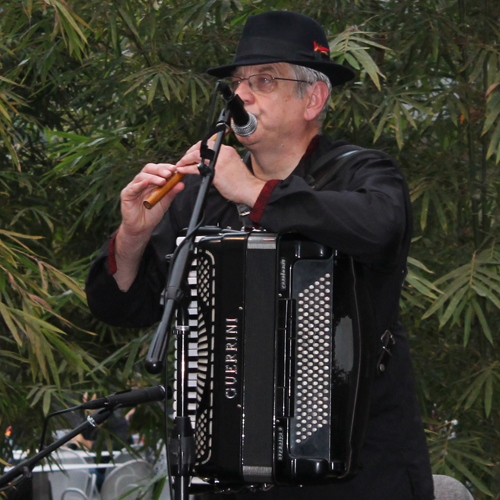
{"x":314,"y":347}
{"x":205,"y":374}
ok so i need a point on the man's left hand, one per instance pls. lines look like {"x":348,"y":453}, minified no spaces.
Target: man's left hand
{"x":232,"y":178}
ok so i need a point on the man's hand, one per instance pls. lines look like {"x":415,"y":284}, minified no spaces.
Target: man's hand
{"x":137,"y":221}
{"x":232,"y":178}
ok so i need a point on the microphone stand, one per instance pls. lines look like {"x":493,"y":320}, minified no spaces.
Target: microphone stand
{"x":173,"y":294}
{"x":183,"y":453}
{"x":25,"y":468}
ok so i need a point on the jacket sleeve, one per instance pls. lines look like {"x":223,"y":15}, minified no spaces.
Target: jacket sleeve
{"x":360,"y":213}
{"x":139,"y":306}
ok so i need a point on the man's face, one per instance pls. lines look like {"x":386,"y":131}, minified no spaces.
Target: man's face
{"x":279,"y":113}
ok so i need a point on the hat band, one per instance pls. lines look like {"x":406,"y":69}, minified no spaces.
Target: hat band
{"x":257,"y":47}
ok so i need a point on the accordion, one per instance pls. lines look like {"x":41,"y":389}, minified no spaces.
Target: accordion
{"x":280,"y":362}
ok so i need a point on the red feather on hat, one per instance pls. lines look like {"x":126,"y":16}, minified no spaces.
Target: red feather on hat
{"x":319,"y":48}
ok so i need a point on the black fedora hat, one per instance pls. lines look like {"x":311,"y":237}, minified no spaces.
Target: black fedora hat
{"x":282,"y":36}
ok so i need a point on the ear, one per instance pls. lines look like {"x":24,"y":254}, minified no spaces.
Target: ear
{"x":317,"y":96}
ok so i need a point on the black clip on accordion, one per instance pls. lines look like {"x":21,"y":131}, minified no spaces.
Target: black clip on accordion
{"x":282,"y":389}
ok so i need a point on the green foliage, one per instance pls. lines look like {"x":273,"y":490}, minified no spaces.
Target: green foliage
{"x":449,"y":452}
{"x":91,"y":91}
{"x":466,"y":285}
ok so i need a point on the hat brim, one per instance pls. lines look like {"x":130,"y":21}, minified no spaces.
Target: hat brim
{"x":338,"y":74}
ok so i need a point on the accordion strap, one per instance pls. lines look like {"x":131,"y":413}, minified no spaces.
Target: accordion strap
{"x":321,"y":173}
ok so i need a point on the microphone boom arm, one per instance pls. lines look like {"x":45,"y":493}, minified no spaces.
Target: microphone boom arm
{"x":25,"y":467}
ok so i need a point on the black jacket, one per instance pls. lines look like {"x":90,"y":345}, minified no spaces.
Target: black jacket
{"x":362,"y":210}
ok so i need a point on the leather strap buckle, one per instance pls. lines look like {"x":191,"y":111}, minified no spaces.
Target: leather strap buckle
{"x":385,"y":355}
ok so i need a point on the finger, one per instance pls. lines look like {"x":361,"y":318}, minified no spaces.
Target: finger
{"x":143,"y":179}
{"x":192,"y":158}
{"x":161,"y":169}
{"x":194,"y":147}
{"x":141,"y":187}
{"x":189,"y":169}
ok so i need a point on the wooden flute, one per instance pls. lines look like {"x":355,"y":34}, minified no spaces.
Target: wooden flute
{"x":160,"y":192}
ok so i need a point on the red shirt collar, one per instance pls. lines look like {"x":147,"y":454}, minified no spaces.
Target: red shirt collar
{"x":312,"y":146}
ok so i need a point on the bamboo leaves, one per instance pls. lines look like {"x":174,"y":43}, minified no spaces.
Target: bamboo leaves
{"x":492,"y":122}
{"x":9,"y":101}
{"x":171,"y":82}
{"x":78,"y":152}
{"x":485,"y":382}
{"x":419,"y":291}
{"x":168,"y":77}
{"x":469,"y":293}
{"x":434,"y":200}
{"x":27,"y":303}
{"x":399,"y":106}
{"x":398,"y":109}
{"x":450,"y":453}
{"x":352,"y":46}
{"x":69,"y":25}
{"x":199,"y":14}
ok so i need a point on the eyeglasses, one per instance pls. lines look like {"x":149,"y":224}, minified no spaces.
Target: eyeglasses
{"x":260,"y":83}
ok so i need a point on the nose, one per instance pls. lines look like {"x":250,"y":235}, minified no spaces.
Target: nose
{"x":245,"y":92}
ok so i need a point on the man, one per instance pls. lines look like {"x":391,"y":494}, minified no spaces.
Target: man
{"x":283,"y":74}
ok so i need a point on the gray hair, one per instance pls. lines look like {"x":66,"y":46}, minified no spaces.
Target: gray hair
{"x":311,"y":76}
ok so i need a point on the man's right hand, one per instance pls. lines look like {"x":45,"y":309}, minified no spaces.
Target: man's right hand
{"x":136,"y":219}
{"x":138,"y":222}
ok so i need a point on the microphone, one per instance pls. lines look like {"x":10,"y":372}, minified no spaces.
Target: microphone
{"x":244,"y":123}
{"x":127,"y":398}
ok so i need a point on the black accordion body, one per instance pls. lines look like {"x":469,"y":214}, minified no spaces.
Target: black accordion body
{"x":281,"y":389}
